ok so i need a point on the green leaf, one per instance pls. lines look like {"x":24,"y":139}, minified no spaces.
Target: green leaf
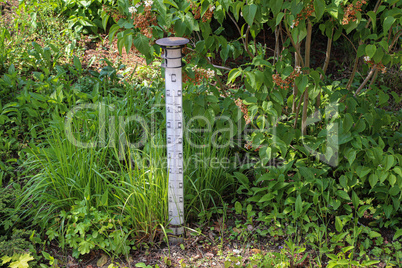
{"x":372,"y":16}
{"x":397,"y":234}
{"x":161,"y":7}
{"x":351,"y":155}
{"x":370,"y":50}
{"x":392,"y":179}
{"x":362,"y":171}
{"x":105,"y":19}
{"x":249,"y":12}
{"x":85,"y":247}
{"x":342,"y":194}
{"x":398,"y":170}
{"x":389,"y":162}
{"x":388,"y":23}
{"x":374,"y":234}
{"x":373,"y":179}
{"x":5,"y":259}
{"x":379,"y":54}
{"x":301,"y":82}
{"x":355,"y":199}
{"x":238,"y":207}
{"x":77,"y":64}
{"x":360,"y":126}
{"x":242,"y":179}
{"x":233,"y":74}
{"x":276,"y":6}
{"x":338,"y":224}
{"x":279,"y":18}
{"x":347,"y":122}
{"x":22,"y":261}
{"x":298,"y":206}
{"x":171,"y":2}
{"x":266,"y":197}
{"x":141,"y":42}
{"x":319,"y":6}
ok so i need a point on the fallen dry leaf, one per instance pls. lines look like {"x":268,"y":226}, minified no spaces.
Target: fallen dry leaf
{"x":256,"y":250}
{"x":102,"y":261}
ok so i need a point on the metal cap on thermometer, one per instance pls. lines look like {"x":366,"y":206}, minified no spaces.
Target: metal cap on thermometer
{"x":172,"y":62}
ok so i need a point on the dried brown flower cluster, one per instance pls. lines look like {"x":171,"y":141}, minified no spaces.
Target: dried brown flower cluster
{"x":196,"y":10}
{"x":200,"y":75}
{"x":351,"y":10}
{"x":304,"y":14}
{"x":372,"y":64}
{"x":112,"y":13}
{"x":244,"y":110}
{"x":289,"y":81}
{"x":144,"y":21}
{"x":249,"y":145}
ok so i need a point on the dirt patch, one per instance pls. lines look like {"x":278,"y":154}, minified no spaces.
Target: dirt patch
{"x":97,"y":49}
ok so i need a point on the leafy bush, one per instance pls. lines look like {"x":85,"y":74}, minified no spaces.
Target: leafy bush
{"x":84,"y":229}
{"x":85,"y":16}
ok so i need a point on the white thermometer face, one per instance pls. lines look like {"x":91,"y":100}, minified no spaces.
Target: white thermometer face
{"x":174,"y":137}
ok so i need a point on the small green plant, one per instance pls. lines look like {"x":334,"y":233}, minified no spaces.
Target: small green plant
{"x":84,"y":228}
{"x":18,"y":260}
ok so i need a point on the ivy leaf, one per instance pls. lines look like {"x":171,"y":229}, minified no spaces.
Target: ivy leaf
{"x":249,"y":12}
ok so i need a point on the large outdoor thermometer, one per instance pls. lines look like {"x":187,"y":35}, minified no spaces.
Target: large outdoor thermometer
{"x":172,"y":62}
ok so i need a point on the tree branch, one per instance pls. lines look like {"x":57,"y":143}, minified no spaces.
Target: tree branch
{"x":365,"y":81}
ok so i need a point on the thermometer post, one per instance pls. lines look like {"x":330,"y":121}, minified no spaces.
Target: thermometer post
{"x":172,"y":62}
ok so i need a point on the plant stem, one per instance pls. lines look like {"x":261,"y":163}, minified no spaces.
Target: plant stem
{"x":307,"y":48}
{"x":276,"y":52}
{"x":295,"y":46}
{"x":304,"y":114}
{"x":295,"y":89}
{"x":374,"y":77}
{"x":377,"y":5}
{"x":246,"y":43}
{"x":298,"y":109}
{"x":352,"y":76}
{"x":365,"y":81}
{"x":396,"y":38}
{"x":326,"y":64}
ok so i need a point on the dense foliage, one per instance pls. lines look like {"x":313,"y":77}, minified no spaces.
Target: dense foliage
{"x":275,"y":133}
